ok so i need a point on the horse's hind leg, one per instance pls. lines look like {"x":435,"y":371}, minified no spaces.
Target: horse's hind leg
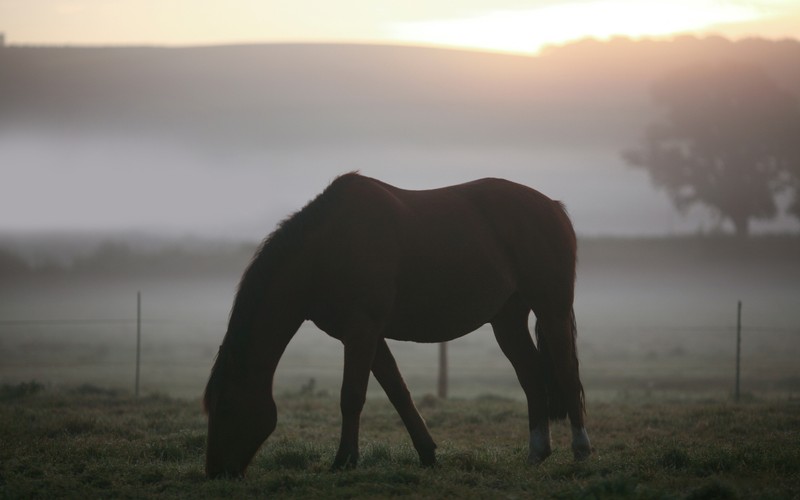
{"x":512,"y":334}
{"x":556,"y":338}
{"x":386,"y":372}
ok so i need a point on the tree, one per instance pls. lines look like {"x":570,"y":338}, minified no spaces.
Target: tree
{"x":730,"y":141}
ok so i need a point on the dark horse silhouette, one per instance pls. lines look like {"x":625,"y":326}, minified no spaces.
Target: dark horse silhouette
{"x":366,"y":261}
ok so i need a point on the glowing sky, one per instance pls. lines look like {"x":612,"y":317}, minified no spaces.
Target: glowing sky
{"x":504,"y":25}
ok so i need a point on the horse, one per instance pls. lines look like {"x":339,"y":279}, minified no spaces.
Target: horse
{"x":366,"y":261}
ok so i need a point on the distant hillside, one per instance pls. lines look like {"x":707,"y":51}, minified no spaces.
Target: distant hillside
{"x":289,"y":96}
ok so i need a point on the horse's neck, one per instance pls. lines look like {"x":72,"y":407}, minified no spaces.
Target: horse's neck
{"x":269,"y":309}
{"x":264,"y":321}
{"x":273,"y":332}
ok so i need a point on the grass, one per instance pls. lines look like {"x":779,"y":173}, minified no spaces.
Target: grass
{"x":90,"y":442}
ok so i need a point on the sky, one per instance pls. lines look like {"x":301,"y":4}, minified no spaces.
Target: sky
{"x":105,"y":174}
{"x":496,"y":25}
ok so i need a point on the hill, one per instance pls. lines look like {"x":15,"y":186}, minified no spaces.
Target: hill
{"x":287,"y":96}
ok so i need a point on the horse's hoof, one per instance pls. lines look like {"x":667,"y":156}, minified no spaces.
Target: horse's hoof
{"x":539,"y":444}
{"x":344,"y":463}
{"x":427,"y":459}
{"x":582,"y":454}
{"x":539,"y":457}
{"x":581,"y":446}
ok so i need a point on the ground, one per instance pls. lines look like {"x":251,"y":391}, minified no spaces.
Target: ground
{"x":90,"y":442}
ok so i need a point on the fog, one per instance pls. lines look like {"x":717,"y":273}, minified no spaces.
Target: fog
{"x":656,"y":319}
{"x":184,"y":159}
{"x":96,"y":184}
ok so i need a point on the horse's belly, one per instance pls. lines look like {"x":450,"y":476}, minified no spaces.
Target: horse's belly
{"x":439,"y":313}
{"x":430,"y":332}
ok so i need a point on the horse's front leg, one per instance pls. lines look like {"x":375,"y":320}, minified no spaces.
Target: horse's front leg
{"x":360,"y":342}
{"x":386,"y":372}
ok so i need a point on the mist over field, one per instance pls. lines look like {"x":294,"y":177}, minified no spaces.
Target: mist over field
{"x":656,"y":318}
{"x":225,"y":141}
{"x":159,"y":170}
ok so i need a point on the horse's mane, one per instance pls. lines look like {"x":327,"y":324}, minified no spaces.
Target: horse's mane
{"x":284,"y":240}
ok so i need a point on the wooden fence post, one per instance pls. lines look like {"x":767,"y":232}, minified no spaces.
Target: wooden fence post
{"x":738,"y":348}
{"x":442,"y":389}
{"x":138,"y":339}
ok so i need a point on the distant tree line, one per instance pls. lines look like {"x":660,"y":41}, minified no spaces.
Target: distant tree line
{"x":730,"y":140}
{"x":119,"y":260}
{"x":11,"y":265}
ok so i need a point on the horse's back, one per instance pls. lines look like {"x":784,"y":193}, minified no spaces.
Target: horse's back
{"x":448,"y":259}
{"x":529,"y":231}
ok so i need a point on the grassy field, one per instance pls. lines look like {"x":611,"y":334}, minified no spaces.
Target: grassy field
{"x":656,"y":343}
{"x":93,"y":443}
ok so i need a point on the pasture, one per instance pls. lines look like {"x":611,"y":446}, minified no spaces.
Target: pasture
{"x":656,"y":339}
{"x":92,"y":443}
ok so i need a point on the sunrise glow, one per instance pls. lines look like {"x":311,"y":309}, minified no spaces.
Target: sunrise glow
{"x":491,"y":25}
{"x":529,"y":30}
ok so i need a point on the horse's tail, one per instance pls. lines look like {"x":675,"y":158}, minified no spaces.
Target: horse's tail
{"x":556,"y":341}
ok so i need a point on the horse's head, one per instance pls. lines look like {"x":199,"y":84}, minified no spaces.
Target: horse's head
{"x":241,"y":415}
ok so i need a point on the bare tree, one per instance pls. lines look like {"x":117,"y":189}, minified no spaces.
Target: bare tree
{"x":730,"y":140}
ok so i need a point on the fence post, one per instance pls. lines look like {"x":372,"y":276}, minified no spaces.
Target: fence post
{"x":138,"y":338}
{"x":442,"y":392}
{"x":738,"y":347}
